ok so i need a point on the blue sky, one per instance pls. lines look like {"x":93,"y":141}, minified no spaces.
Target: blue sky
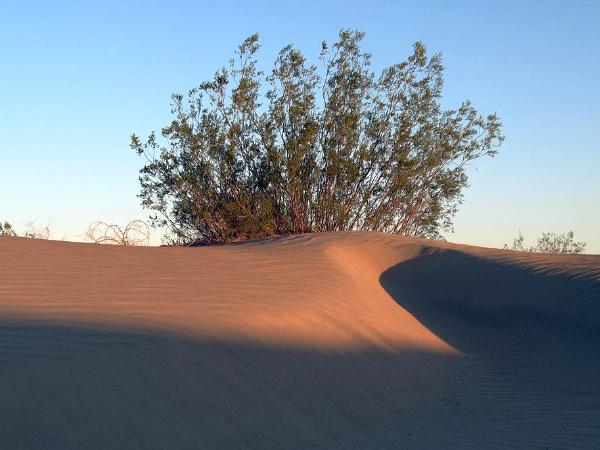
{"x":77,"y":78}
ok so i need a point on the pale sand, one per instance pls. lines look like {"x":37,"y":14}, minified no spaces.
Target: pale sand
{"x":337,"y":341}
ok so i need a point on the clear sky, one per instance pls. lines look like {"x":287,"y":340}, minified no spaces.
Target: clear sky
{"x":77,"y":78}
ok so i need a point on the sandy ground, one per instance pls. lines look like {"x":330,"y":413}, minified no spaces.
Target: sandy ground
{"x":334,"y":341}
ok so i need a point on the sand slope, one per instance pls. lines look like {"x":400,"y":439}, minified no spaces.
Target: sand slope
{"x":346,"y":340}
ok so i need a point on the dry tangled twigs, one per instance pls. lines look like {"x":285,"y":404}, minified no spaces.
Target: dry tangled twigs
{"x":35,"y":231}
{"x":136,"y":232}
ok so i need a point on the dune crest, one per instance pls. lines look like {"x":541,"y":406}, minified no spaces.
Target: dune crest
{"x":338,"y":340}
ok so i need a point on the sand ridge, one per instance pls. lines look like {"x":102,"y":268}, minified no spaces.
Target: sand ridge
{"x":337,"y":340}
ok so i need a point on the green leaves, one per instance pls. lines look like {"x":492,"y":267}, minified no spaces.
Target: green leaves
{"x":310,"y":148}
{"x":549,"y":243}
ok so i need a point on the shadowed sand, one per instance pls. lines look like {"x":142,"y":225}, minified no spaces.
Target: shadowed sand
{"x":345,"y":340}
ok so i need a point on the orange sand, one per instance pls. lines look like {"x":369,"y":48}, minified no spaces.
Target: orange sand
{"x":343,"y":340}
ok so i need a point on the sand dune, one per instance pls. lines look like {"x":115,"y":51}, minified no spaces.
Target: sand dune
{"x":334,"y":341}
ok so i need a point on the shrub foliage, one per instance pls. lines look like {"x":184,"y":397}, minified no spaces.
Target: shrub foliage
{"x":311,"y":148}
{"x":549,"y":243}
{"x":6,"y":229}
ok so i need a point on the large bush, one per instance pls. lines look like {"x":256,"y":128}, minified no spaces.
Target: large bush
{"x":308,"y":149}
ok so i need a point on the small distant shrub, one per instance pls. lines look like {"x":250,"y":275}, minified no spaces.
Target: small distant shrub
{"x":35,"y":231}
{"x":6,"y":229}
{"x":549,"y":243}
{"x":136,"y":232}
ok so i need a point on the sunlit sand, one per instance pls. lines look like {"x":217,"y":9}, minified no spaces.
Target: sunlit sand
{"x":343,"y":340}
